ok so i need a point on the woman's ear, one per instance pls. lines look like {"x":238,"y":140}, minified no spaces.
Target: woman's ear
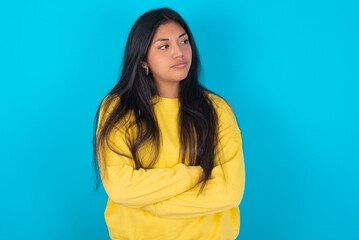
{"x":144,"y":64}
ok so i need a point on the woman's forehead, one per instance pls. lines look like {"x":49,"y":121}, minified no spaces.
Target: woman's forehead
{"x":169,"y":30}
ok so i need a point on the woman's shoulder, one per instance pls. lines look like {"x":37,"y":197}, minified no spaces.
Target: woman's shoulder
{"x":219,"y":102}
{"x":224,"y":110}
{"x":108,"y":103}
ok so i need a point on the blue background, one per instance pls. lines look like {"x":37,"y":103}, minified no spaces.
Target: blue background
{"x":288,"y":68}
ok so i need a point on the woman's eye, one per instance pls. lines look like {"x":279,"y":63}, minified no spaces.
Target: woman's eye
{"x":185,"y":41}
{"x":166,"y":46}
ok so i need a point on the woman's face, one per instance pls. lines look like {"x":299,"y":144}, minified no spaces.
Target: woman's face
{"x":169,"y":56}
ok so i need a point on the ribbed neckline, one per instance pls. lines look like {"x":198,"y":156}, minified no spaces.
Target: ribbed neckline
{"x":167,"y":101}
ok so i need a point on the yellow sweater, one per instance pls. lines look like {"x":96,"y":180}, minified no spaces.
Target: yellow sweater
{"x":161,"y":203}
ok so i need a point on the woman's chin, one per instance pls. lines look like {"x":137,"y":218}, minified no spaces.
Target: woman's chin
{"x":180,"y":77}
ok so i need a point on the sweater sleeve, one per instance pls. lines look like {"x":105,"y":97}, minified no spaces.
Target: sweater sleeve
{"x":218,"y":195}
{"x":133,"y":188}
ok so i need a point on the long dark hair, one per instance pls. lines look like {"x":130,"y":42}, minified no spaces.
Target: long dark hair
{"x":198,"y":119}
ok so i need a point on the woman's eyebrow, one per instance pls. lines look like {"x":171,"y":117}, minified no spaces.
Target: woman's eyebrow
{"x":166,"y":39}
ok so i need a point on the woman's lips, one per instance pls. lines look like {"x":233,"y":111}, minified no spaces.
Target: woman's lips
{"x":179,"y":65}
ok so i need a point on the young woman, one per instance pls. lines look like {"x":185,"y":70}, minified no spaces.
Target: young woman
{"x":168,"y":150}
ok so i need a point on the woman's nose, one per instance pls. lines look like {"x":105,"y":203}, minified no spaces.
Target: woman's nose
{"x":177,"y":51}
